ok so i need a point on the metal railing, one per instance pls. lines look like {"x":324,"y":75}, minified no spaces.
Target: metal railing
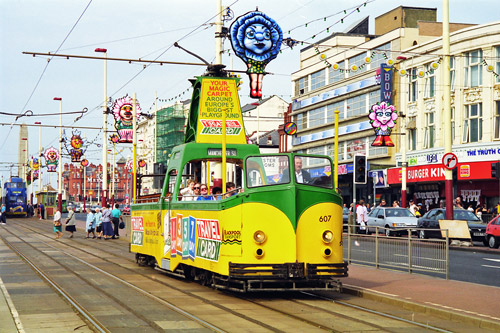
{"x":405,"y":253}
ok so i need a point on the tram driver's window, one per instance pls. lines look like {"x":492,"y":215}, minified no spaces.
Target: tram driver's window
{"x":267,"y":170}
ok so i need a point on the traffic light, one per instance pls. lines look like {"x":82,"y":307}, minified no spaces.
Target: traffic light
{"x":495,"y":170}
{"x":360,"y":169}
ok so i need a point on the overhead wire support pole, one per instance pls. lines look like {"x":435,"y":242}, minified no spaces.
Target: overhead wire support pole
{"x":448,"y":174}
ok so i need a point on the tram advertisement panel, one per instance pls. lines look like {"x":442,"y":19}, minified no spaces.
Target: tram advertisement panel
{"x":217,"y":96}
{"x":137,"y":230}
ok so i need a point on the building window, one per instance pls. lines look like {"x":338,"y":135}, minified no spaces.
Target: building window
{"x":452,"y":73}
{"x":316,"y":151}
{"x":355,"y":147}
{"x":330,"y":151}
{"x":413,"y":86}
{"x":302,"y":85}
{"x":317,"y":117}
{"x":429,"y":81}
{"x":498,"y":63}
{"x":381,"y":55}
{"x":412,"y":133}
{"x":496,"y":121}
{"x":373,"y":98}
{"x":429,"y":130}
{"x":301,"y":121}
{"x":318,"y":79}
{"x":473,"y":123}
{"x":356,"y":106}
{"x":375,"y":150}
{"x":359,"y":61}
{"x":336,"y":75}
{"x":330,"y":111}
{"x":473,"y":68}
{"x":452,"y":125}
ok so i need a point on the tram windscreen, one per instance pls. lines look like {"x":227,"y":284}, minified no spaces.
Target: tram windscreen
{"x":267,"y":170}
{"x":313,"y":171}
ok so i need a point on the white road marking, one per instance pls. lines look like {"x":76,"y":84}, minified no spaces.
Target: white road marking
{"x":490,"y":259}
{"x":13,"y":310}
{"x":489,"y":266}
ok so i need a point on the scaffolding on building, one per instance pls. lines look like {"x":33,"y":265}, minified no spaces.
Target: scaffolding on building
{"x":170,"y":124}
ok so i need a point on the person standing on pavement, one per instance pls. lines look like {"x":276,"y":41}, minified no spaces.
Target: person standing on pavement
{"x":3,"y":215}
{"x":98,"y":223}
{"x":106,"y":222}
{"x":70,"y":222}
{"x":58,"y":224}
{"x":413,"y":207}
{"x":382,"y":203}
{"x":116,"y":216}
{"x":361,"y":216}
{"x":42,"y":211}
{"x":90,"y":223}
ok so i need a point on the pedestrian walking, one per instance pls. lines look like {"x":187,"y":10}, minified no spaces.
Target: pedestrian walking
{"x":3,"y":215}
{"x":90,"y":223}
{"x":116,"y":216}
{"x":42,"y":211}
{"x":98,"y":223}
{"x":106,"y":223}
{"x":70,"y":222}
{"x":58,"y":225}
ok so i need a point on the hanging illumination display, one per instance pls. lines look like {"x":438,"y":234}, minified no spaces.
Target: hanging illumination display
{"x":256,"y":39}
{"x":85,"y":163}
{"x":76,"y":152}
{"x":141,"y":163}
{"x":51,"y":159}
{"x":383,"y":118}
{"x":122,"y":111}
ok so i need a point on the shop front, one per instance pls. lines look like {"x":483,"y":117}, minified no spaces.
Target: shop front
{"x":472,"y":181}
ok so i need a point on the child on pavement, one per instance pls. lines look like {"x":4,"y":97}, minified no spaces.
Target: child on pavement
{"x":90,"y":223}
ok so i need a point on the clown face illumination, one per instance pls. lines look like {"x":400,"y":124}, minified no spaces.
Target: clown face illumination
{"x":122,"y":111}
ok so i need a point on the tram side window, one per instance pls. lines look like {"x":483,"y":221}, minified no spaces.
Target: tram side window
{"x":267,"y":170}
{"x":314,"y":171}
{"x":172,"y":177}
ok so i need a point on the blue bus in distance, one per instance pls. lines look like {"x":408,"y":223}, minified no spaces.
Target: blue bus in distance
{"x":14,"y":197}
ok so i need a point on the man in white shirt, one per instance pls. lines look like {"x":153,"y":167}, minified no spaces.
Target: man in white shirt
{"x":301,"y":176}
{"x":413,"y":207}
{"x":361,"y":216}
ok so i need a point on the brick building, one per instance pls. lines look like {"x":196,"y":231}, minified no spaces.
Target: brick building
{"x":73,"y":182}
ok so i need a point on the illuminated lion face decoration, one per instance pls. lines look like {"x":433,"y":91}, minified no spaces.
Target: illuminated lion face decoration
{"x":76,"y":141}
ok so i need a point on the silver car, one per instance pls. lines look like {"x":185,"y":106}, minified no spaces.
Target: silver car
{"x":395,"y":220}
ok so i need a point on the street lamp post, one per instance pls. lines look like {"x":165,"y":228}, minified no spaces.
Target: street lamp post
{"x":59,"y":188}
{"x":105,"y":132}
{"x":39,"y":159}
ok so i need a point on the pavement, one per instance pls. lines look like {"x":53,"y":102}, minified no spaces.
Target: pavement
{"x":452,"y":300}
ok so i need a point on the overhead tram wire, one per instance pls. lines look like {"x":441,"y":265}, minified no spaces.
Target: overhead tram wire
{"x":45,"y":69}
{"x":161,"y":54}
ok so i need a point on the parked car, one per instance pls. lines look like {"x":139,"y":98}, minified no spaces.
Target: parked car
{"x":126,"y":210}
{"x":430,"y":220}
{"x":345,"y":217}
{"x":492,"y":237}
{"x":395,"y":220}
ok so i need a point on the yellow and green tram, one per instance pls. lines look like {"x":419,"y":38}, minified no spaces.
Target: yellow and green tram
{"x":280,"y":230}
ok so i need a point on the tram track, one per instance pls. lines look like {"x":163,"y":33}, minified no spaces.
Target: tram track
{"x":316,"y":316}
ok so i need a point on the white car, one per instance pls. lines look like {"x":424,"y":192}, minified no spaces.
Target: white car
{"x":395,"y":220}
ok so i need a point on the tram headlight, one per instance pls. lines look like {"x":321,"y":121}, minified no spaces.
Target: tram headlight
{"x":327,"y":236}
{"x":259,"y":237}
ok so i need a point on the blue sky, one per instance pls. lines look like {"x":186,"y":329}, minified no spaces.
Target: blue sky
{"x":146,"y":29}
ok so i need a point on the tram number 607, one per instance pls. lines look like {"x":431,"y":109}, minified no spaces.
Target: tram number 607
{"x":325,"y":218}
